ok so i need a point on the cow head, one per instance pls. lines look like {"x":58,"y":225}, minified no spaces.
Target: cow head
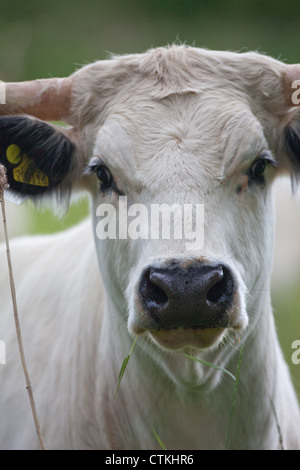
{"x":180,"y":126}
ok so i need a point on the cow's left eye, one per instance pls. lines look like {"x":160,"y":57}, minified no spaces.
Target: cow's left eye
{"x":257,"y":170}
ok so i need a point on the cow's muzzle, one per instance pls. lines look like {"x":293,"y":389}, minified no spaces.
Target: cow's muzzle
{"x":186,"y":298}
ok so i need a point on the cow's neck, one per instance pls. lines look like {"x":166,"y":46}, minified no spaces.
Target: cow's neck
{"x":182,"y":415}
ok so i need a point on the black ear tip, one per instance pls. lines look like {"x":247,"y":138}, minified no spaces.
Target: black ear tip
{"x":37,"y":156}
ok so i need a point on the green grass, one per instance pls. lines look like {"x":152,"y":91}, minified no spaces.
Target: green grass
{"x":209,"y":364}
{"x":162,"y":445}
{"x":123,"y":367}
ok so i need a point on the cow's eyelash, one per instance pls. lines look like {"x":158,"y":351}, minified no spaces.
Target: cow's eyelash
{"x":97,"y":166}
{"x":92,"y":166}
{"x":269,"y":161}
{"x":258,"y":167}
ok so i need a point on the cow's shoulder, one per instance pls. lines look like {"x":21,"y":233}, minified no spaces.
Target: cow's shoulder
{"x":42,"y":256}
{"x":52,"y":276}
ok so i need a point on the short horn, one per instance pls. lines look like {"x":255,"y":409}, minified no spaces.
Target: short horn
{"x":291,"y":84}
{"x":48,"y":99}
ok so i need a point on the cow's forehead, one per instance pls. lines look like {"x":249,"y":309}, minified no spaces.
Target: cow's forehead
{"x":185,"y":137}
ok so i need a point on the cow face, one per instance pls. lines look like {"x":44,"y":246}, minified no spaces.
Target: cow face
{"x":169,"y":157}
{"x":180,"y":131}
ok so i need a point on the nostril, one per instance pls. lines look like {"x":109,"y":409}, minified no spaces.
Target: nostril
{"x":221,"y":293}
{"x":157,"y":295}
{"x":216,"y":293}
{"x":151,"y":292}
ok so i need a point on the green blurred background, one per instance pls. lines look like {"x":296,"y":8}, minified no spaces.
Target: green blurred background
{"x":45,"y":38}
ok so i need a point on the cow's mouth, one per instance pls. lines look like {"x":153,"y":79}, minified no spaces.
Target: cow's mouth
{"x":195,"y":337}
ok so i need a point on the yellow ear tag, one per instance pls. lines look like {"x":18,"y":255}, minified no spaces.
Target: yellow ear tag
{"x":13,"y":154}
{"x":37,"y":178}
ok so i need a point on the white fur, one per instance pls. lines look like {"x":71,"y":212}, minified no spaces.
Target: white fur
{"x":173,"y":125}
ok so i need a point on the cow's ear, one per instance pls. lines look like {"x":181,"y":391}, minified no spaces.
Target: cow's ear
{"x":289,"y":121}
{"x":40,"y":158}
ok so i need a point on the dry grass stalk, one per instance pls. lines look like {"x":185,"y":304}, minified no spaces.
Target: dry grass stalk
{"x":4,"y":185}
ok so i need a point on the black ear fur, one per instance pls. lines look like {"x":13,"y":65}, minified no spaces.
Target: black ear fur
{"x":36,"y":155}
{"x":292,"y":147}
{"x":292,"y":142}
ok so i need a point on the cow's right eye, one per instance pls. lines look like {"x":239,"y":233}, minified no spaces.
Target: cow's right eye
{"x":104,"y":176}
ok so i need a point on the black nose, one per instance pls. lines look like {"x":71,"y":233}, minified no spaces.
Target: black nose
{"x":193,"y":296}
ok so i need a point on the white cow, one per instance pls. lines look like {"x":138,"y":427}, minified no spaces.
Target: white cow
{"x":176,"y":125}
